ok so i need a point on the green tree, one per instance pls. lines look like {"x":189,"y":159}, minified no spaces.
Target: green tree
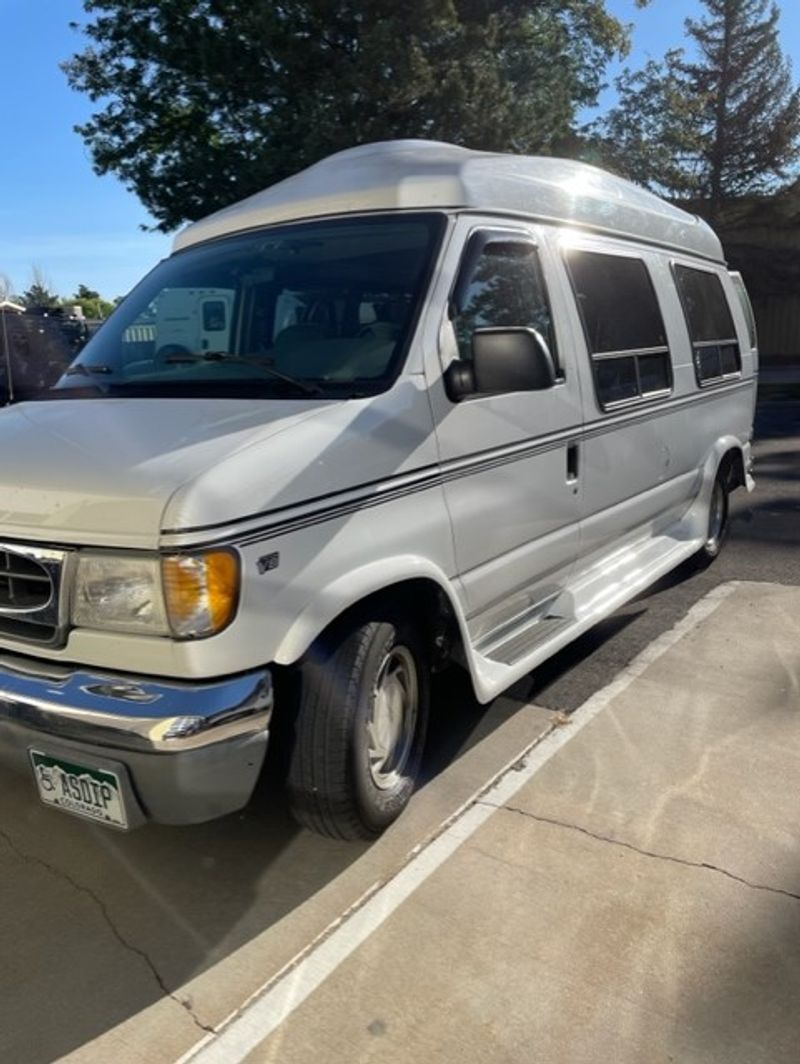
{"x":654,"y":134}
{"x":91,"y":303}
{"x":202,"y":102}
{"x":40,"y":293}
{"x":721,"y":126}
{"x":750,"y":108}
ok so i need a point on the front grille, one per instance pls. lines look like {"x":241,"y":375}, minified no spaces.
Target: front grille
{"x":24,"y":584}
{"x":30,"y":590}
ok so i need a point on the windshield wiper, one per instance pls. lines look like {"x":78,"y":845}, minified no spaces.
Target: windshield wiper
{"x":87,"y":370}
{"x":244,"y":360}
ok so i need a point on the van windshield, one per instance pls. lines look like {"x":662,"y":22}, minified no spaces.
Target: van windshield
{"x":320,"y":309}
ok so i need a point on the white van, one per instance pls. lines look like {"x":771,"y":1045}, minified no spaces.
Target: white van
{"x":194,"y":319}
{"x":467,"y":405}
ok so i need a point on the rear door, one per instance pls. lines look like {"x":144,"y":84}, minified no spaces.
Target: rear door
{"x":639,"y":467}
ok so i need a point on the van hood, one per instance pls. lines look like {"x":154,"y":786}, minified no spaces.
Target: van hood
{"x":120,"y":472}
{"x":103,"y":471}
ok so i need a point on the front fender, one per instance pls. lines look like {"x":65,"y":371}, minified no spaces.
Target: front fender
{"x":346,"y":591}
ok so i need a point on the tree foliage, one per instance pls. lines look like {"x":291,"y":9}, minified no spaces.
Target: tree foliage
{"x":751,"y":110}
{"x":40,"y":295}
{"x":201,"y":102}
{"x":40,"y":292}
{"x":91,"y":303}
{"x":723,"y":125}
{"x":654,"y":135}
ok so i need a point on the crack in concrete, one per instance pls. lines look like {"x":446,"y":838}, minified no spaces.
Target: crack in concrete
{"x":703,"y":865}
{"x":81,"y":888}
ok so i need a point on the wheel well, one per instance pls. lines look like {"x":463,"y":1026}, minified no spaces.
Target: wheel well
{"x":421,"y":600}
{"x":731,"y":469}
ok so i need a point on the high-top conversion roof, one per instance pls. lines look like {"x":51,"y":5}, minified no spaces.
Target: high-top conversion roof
{"x":425,"y":175}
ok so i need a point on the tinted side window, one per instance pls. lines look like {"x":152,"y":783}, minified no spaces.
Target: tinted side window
{"x":708,"y":317}
{"x":623,"y":325}
{"x":747,"y":307}
{"x":503,"y":286}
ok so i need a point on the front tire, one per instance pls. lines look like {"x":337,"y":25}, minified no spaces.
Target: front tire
{"x":360,"y":729}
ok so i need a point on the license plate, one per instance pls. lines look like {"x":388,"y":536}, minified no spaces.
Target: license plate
{"x":92,"y":793}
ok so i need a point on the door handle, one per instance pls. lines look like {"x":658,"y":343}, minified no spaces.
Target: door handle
{"x":573,"y":460}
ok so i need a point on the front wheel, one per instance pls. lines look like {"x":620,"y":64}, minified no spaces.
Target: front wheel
{"x":360,"y":729}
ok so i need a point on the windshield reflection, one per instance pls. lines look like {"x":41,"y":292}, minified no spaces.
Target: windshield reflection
{"x":323,"y":308}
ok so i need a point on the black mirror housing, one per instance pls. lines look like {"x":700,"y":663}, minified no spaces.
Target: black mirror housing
{"x":511,"y":360}
{"x":459,"y":380}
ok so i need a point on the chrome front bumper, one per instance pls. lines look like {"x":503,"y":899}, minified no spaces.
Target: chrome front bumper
{"x":189,"y":751}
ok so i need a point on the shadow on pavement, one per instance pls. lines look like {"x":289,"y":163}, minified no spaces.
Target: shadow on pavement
{"x":748,"y":1010}
{"x":97,"y":925}
{"x":561,"y":663}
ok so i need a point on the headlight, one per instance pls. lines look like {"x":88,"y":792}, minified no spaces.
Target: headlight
{"x":119,"y":592}
{"x":186,"y":596}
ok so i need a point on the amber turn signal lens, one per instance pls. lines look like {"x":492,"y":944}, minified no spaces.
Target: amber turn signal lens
{"x":201,"y":591}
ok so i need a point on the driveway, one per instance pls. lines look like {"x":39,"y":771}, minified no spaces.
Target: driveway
{"x":134,"y":946}
{"x":629,"y":891}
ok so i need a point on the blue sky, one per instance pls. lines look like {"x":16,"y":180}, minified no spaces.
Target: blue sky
{"x":55,"y":213}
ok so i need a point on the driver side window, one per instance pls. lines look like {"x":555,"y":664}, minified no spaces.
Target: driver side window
{"x":501,"y":284}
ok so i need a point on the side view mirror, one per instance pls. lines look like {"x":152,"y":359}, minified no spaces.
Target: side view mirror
{"x":503,"y":360}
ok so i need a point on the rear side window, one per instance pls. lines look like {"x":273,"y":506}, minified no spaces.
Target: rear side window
{"x":501,"y":284}
{"x":715,"y":348}
{"x":747,"y":306}
{"x":623,"y":325}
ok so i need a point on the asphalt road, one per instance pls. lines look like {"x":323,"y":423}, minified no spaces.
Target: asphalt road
{"x":131,"y":946}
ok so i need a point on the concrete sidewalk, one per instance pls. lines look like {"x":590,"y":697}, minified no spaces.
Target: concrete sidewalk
{"x":637,"y":900}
